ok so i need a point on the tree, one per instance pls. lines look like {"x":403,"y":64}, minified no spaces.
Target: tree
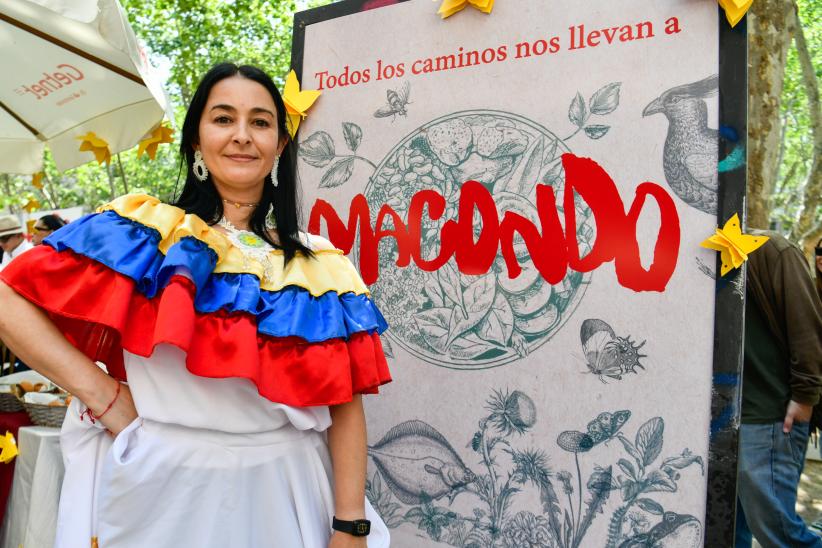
{"x":784,"y":127}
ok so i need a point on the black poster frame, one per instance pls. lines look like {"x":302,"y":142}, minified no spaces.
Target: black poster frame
{"x":730,"y":299}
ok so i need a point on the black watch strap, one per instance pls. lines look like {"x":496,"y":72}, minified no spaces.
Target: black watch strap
{"x":357,"y":528}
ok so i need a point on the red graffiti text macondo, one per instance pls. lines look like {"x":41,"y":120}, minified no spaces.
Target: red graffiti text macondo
{"x":553,"y":249}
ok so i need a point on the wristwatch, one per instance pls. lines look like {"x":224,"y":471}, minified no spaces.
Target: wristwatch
{"x":357,"y":528}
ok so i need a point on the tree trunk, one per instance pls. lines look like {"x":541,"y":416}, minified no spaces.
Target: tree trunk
{"x":808,"y":228}
{"x":770,"y":29}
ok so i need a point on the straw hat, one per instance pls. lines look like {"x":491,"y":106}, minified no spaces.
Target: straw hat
{"x":9,"y":224}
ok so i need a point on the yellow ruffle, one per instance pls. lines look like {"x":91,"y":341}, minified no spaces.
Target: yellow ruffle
{"x":329,"y":270}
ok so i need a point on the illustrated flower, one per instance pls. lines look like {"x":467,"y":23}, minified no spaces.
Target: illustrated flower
{"x":514,"y":412}
{"x":565,"y":478}
{"x":525,"y":530}
{"x":94,"y":144}
{"x":161,"y":134}
{"x":575,"y":441}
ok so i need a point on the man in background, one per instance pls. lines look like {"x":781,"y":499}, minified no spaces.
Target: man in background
{"x":12,"y":240}
{"x":782,"y":381}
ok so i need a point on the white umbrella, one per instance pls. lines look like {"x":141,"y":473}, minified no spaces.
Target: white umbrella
{"x":70,"y":67}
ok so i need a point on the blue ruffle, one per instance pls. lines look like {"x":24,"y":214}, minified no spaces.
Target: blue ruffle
{"x":131,"y":249}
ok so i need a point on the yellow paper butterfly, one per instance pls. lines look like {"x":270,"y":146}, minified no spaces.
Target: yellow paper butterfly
{"x":160,"y":135}
{"x":96,"y":145}
{"x":296,"y":102}
{"x":733,"y":245}
{"x":9,"y":448}
{"x":735,"y":9}
{"x":450,"y":7}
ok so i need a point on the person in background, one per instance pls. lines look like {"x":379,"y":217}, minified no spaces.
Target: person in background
{"x":12,"y":240}
{"x":782,"y":381}
{"x":44,"y":226}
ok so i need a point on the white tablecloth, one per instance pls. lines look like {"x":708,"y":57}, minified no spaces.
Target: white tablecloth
{"x":31,"y":513}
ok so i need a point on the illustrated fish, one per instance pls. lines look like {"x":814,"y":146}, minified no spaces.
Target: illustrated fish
{"x":606,"y":354}
{"x":674,"y":531}
{"x":418,"y":463}
{"x":606,"y":425}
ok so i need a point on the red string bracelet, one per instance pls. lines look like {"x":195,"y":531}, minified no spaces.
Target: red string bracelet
{"x":94,"y":418}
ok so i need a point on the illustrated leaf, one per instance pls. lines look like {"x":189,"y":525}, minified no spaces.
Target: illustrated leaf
{"x":650,"y":506}
{"x":386,"y":348}
{"x":433,"y":291}
{"x":477,"y":299}
{"x":526,"y":175}
{"x":469,"y":346}
{"x":353,"y":135}
{"x":595,"y":131}
{"x":577,"y":113}
{"x":657,"y":481}
{"x":498,"y":325}
{"x":433,"y":323}
{"x":628,"y":468}
{"x":629,"y":448}
{"x":606,"y":99}
{"x":649,"y":440}
{"x":551,"y":151}
{"x":338,"y":174}
{"x":553,"y":174}
{"x":318,"y":149}
{"x":415,"y":513}
{"x":450,"y":283}
{"x":630,"y":489}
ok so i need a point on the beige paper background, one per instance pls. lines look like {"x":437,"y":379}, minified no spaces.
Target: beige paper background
{"x":677,"y":324}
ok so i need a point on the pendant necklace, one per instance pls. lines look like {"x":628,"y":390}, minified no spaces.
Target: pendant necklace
{"x":251,"y":245}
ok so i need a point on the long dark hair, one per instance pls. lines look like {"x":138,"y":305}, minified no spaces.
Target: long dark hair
{"x":52,"y":221}
{"x":202,"y":198}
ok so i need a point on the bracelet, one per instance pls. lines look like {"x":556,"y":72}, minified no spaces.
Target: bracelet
{"x":94,"y":418}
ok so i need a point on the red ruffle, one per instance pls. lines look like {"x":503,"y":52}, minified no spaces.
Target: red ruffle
{"x":101,"y":313}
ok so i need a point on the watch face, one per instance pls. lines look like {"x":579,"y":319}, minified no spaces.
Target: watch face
{"x":362,"y":528}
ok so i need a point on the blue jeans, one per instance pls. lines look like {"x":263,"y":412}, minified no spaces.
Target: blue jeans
{"x":770,"y":464}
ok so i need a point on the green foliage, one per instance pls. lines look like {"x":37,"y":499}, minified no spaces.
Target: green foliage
{"x":797,"y":147}
{"x":184,"y":37}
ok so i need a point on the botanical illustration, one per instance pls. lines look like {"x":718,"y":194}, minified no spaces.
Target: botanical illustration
{"x":445,"y":317}
{"x":422,"y":481}
{"x":606,"y":354}
{"x":689,"y":157}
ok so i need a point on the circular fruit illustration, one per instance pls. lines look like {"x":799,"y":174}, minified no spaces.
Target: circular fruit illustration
{"x":473,"y":322}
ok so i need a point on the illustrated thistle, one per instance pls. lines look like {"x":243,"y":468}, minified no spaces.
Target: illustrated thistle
{"x":514,"y":412}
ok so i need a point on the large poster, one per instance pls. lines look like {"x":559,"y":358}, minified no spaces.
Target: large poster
{"x":525,"y":193}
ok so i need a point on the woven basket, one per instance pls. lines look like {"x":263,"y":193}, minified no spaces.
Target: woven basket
{"x":46,"y":415}
{"x":9,"y":403}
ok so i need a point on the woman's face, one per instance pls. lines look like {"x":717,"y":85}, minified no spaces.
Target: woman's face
{"x":819,"y":263}
{"x":238,"y":134}
{"x":41,"y":231}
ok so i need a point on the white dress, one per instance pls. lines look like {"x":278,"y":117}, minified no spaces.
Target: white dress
{"x":209,"y":463}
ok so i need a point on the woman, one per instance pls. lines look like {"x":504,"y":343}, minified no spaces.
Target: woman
{"x":44,"y":226}
{"x":246,"y":346}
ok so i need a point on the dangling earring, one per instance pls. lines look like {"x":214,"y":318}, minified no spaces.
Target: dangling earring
{"x":274,"y":170}
{"x":198,"y":167}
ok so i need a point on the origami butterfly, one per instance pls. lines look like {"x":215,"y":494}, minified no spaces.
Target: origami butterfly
{"x":733,"y":245}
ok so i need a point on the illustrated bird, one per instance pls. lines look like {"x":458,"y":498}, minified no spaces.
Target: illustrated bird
{"x":690,"y":154}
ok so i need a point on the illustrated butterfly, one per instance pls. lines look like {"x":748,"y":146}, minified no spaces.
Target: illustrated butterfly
{"x":606,"y":354}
